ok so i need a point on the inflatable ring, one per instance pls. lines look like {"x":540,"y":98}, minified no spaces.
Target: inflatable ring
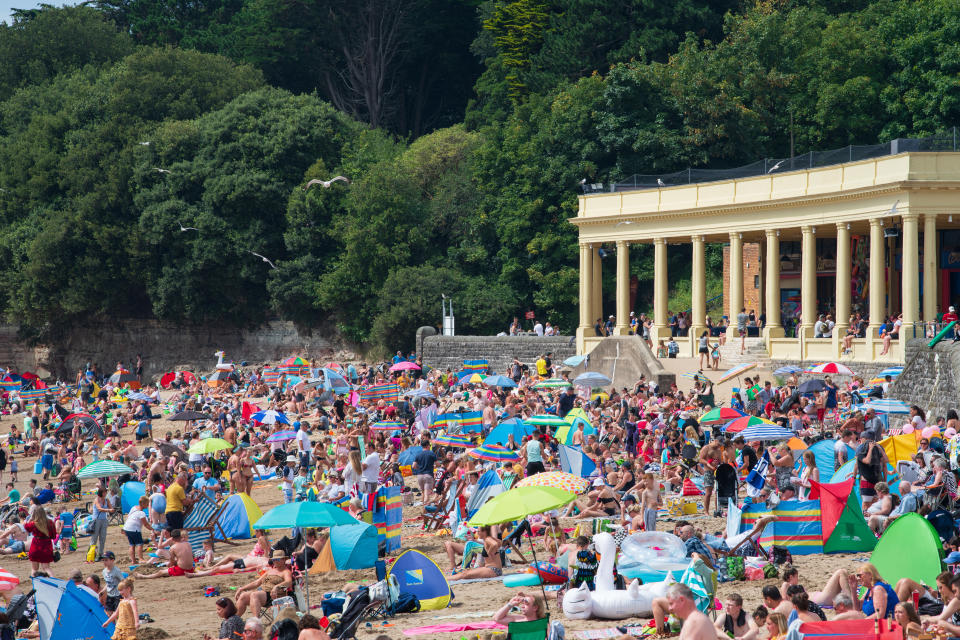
{"x":521,"y":580}
{"x":550,"y":573}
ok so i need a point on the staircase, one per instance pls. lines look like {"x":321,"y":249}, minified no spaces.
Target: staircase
{"x":755,"y":350}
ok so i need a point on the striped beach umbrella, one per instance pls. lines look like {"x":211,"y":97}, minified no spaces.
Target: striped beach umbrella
{"x":558,"y":479}
{"x":720,"y":415}
{"x":787,"y":370}
{"x":739,"y":424}
{"x":387,"y":425}
{"x":830,"y":368}
{"x":452,"y":440}
{"x":546,"y":420}
{"x":282,"y":436}
{"x":886,"y":405}
{"x":494,"y":453}
{"x":740,"y":369}
{"x":104,"y":469}
{"x":891,"y":371}
{"x":552,"y":383}
{"x":8,"y":581}
{"x":770,"y":431}
{"x":294,"y":365}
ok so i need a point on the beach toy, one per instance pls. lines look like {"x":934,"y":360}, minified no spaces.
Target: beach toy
{"x":550,"y":573}
{"x":929,"y":432}
{"x":908,"y":428}
{"x":521,"y":580}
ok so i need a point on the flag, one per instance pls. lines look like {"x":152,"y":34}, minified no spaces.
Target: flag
{"x":757,"y":476}
{"x":488,"y":486}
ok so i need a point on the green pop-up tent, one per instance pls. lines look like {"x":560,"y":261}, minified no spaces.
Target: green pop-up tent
{"x":909,"y":548}
{"x":843,"y":528}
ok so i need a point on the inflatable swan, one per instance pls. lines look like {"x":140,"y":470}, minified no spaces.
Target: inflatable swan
{"x":607,"y":602}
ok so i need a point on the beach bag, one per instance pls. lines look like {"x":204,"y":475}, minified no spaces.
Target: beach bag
{"x":780,"y":555}
{"x":406,"y":603}
{"x":770,"y":571}
{"x":92,"y":553}
{"x":379,"y":592}
{"x":736,"y":568}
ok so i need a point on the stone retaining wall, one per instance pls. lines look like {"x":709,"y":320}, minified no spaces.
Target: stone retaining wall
{"x":930,"y":377}
{"x":449,"y":352}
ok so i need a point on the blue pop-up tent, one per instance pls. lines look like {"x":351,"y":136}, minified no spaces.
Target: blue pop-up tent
{"x":513,"y":426}
{"x":574,"y":460}
{"x":66,"y":612}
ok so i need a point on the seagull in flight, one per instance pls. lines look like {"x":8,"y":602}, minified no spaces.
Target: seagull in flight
{"x":893,"y":210}
{"x":159,"y":170}
{"x":775,"y":167}
{"x":661,"y":183}
{"x":183,"y":228}
{"x":272,"y":266}
{"x":326,"y":183}
{"x":145,"y":143}
{"x":625,"y":222}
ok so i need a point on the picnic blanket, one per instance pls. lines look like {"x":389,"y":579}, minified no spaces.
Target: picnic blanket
{"x":452,"y":627}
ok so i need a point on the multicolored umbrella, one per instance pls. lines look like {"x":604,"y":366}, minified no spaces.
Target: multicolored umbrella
{"x":547,"y":421}
{"x":557,"y":479}
{"x":282,"y":436}
{"x":891,"y":371}
{"x":740,"y":369}
{"x":453,"y":440}
{"x":270,"y":417}
{"x":294,"y":365}
{"x":405,"y":365}
{"x":886,"y":405}
{"x":719,"y":415}
{"x":695,"y":376}
{"x":387,"y":425}
{"x":830,"y":368}
{"x":104,"y":469}
{"x":494,"y":453}
{"x":787,"y":370}
{"x":741,"y":423}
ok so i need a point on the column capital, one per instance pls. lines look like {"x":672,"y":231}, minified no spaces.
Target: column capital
{"x":772,"y":233}
{"x":736,"y":235}
{"x":930,"y":216}
{"x":697,"y":238}
{"x":910,"y":215}
{"x":843,"y":226}
{"x":622,"y":243}
{"x":660,"y":241}
{"x":808,"y":229}
{"x":876,"y":222}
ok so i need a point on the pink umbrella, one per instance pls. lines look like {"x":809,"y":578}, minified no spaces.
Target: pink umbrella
{"x":406,"y":365}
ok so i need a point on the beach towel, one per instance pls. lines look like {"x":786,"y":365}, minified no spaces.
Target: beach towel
{"x":452,"y":627}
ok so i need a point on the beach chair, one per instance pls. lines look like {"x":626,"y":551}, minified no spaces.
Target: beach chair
{"x":202,"y":523}
{"x":532,"y":630}
{"x":443,"y":506}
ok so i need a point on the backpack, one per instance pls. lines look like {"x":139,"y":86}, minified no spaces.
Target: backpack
{"x":406,"y":603}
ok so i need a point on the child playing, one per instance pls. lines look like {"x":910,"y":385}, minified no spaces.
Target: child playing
{"x":583,"y":565}
{"x":64,"y":526}
{"x":650,"y":501}
{"x":112,"y":577}
{"x":13,"y":468}
{"x":126,"y":616}
{"x":553,"y":536}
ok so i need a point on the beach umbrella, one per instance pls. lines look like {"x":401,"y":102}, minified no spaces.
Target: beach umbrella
{"x":453,"y":440}
{"x":405,"y":365}
{"x":167,"y":379}
{"x":388,"y":425}
{"x":122,"y":376}
{"x":787,"y":370}
{"x":8,"y":581}
{"x":739,"y":424}
{"x":738,"y":370}
{"x":830,"y":368}
{"x":695,"y":376}
{"x":556,"y":479}
{"x":720,"y":415}
{"x":552,"y":383}
{"x":514,"y":427}
{"x":771,"y":431}
{"x":886,"y":405}
{"x":796,"y":444}
{"x":592,"y":379}
{"x":475,"y":378}
{"x":209,"y":445}
{"x":294,"y":365}
{"x":499,"y":381}
{"x":890,"y":371}
{"x":270,"y":417}
{"x":493,"y":453}
{"x":812,"y":386}
{"x":137,"y":395}
{"x":104,"y":469}
{"x":574,"y":361}
{"x":420,"y":393}
{"x":282,"y":436}
{"x":565,"y":433}
{"x":547,"y":420}
{"x":189,"y":415}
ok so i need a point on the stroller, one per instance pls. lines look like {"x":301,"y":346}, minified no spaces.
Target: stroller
{"x":353,"y":613}
{"x":689,"y":459}
{"x":726,"y":485}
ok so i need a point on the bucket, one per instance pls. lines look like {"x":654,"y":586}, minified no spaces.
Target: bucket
{"x":37,"y":468}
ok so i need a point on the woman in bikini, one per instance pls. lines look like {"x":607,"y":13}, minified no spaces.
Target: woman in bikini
{"x":492,"y":565}
{"x":237,"y":563}
{"x":275,"y":582}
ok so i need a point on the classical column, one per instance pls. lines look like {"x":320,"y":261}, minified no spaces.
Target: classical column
{"x":585,"y":330}
{"x":808,"y":281}
{"x":877,"y":291}
{"x":772,"y":285}
{"x":597,"y":284}
{"x":893,"y":288}
{"x":761,"y":277}
{"x":660,"y":324}
{"x":698,"y":288}
{"x":736,"y":281}
{"x":931,"y":274}
{"x":623,"y":288}
{"x":910,"y":277}
{"x":843,"y":285}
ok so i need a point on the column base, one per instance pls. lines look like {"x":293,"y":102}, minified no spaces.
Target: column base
{"x":621,"y":330}
{"x":732,"y":331}
{"x":773,"y":332}
{"x":805,"y":331}
{"x":583,"y":332}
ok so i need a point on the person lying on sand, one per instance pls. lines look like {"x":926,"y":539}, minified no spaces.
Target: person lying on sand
{"x":181,"y":558}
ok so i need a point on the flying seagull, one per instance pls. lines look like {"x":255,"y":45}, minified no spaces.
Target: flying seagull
{"x":183,"y":228}
{"x":159,"y":170}
{"x":625,"y":222}
{"x":145,"y":143}
{"x":893,"y":209}
{"x":272,"y":266}
{"x":326,"y":183}
{"x":775,"y":167}
{"x":661,"y":183}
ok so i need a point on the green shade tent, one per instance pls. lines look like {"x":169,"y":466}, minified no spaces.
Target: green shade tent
{"x":843,"y":528}
{"x":909,"y":548}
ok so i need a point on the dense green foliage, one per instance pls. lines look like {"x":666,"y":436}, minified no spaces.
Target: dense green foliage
{"x":465,"y":127}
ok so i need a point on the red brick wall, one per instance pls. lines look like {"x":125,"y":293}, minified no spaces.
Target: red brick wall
{"x":751,"y":269}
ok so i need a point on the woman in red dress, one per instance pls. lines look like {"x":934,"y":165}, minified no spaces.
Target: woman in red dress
{"x":43,"y":532}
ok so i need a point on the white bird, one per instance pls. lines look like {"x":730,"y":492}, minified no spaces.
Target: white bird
{"x":625,"y":222}
{"x":583,"y":181}
{"x":326,"y":183}
{"x":159,"y":170}
{"x":893,"y":209}
{"x":272,"y":266}
{"x":775,"y":167}
{"x":145,"y":143}
{"x":661,"y":183}
{"x":183,"y":228}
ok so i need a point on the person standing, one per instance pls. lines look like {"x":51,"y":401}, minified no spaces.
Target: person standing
{"x":98,"y":532}
{"x":534,"y":455}
{"x":41,"y":547}
{"x":176,"y":502}
{"x":742,"y":319}
{"x":423,"y":466}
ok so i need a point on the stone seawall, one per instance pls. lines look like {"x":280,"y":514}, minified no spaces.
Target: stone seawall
{"x":930,"y":377}
{"x":449,"y":352}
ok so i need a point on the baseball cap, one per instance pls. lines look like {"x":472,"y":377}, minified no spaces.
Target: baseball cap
{"x":952,"y":558}
{"x":109,"y":554}
{"x":630,"y":497}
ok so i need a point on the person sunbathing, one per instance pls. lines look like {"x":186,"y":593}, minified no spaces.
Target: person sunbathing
{"x":233,"y":563}
{"x":181,"y":559}
{"x":275,"y":582}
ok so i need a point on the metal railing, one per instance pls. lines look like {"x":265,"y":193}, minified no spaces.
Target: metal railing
{"x":946,"y":141}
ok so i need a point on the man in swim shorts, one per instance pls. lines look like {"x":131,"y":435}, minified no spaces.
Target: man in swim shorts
{"x":181,"y":558}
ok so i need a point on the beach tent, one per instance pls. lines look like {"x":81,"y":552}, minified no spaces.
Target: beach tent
{"x":419,"y":575}
{"x":130,"y":493}
{"x":350,"y":546}
{"x":824,"y":457}
{"x":565,"y":434}
{"x":237,"y":518}
{"x":574,"y":460}
{"x":66,"y":612}
{"x":902,"y":447}
{"x":488,"y":486}
{"x":841,"y":520}
{"x":798,"y":527}
{"x":909,"y":548}
{"x":849,"y":468}
{"x":513,"y":426}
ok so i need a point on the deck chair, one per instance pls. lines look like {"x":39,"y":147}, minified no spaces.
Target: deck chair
{"x":908,"y":470}
{"x":702,"y":580}
{"x":444,"y":505}
{"x":727,"y":485}
{"x":532,"y":630}
{"x":202,"y":522}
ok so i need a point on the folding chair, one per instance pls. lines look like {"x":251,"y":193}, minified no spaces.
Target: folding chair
{"x":532,"y":630}
{"x":202,"y":521}
{"x":444,"y":506}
